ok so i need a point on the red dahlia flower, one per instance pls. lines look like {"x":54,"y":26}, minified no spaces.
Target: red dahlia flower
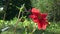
{"x":39,"y":18}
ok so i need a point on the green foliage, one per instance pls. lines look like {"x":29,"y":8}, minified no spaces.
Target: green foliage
{"x":22,"y":7}
{"x":43,"y":5}
{"x":49,"y":6}
{"x":25,"y":25}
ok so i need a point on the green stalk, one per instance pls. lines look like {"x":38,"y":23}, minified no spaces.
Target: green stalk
{"x":19,"y":19}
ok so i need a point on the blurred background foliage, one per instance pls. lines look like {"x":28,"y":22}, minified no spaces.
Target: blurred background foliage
{"x":52,"y":7}
{"x":9,"y":10}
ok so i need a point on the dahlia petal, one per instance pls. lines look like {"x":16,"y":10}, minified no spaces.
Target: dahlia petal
{"x":46,"y":22}
{"x":35,"y":11}
{"x":44,"y":26}
{"x":39,"y":26}
{"x":45,"y":19}
{"x":43,"y":15}
{"x":32,"y":16}
{"x":36,"y":20}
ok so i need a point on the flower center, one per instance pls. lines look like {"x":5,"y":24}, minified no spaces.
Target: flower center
{"x":39,"y":17}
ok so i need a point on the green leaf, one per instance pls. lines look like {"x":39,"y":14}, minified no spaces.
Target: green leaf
{"x":22,"y":7}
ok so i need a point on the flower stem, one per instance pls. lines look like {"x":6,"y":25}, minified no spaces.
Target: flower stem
{"x":17,"y":23}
